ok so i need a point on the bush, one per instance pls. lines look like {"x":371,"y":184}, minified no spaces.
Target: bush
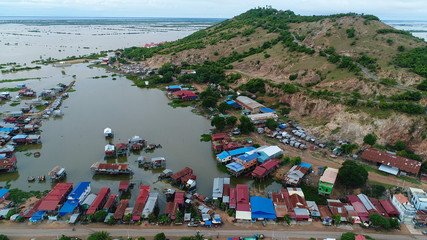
{"x":293,"y":77}
{"x":99,"y":236}
{"x":350,"y":32}
{"x":160,"y":236}
{"x":295,"y":160}
{"x":270,"y":123}
{"x":370,"y":139}
{"x":3,"y":237}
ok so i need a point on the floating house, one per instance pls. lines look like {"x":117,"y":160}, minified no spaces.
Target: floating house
{"x":391,"y":163}
{"x":327,"y":181}
{"x":20,"y":138}
{"x":75,"y":198}
{"x":8,"y":164}
{"x":296,"y":174}
{"x":110,"y":150}
{"x":144,"y":192}
{"x":36,"y":139}
{"x":121,"y":149}
{"x":110,"y":168}
{"x":99,"y":201}
{"x":243,"y":208}
{"x":7,"y":150}
{"x":57,"y":173}
{"x":158,"y":162}
{"x":177,"y":177}
{"x":262,"y":208}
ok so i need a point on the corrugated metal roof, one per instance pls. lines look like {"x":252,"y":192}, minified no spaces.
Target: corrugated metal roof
{"x":218,"y":186}
{"x":329,"y":176}
{"x":404,"y":164}
{"x":262,"y":208}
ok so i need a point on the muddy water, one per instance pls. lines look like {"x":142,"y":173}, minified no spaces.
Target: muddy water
{"x":76,"y":140}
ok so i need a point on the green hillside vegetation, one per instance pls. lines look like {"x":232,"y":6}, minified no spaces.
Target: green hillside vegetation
{"x":351,"y":60}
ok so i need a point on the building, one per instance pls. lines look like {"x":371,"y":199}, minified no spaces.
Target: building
{"x":144,"y":191}
{"x":75,"y":198}
{"x":226,"y":156}
{"x":407,"y":212}
{"x":242,"y":164}
{"x":233,"y":198}
{"x":367,"y":203}
{"x":337,"y":208}
{"x":389,"y":208}
{"x":391,"y":163}
{"x":279,"y":204}
{"x":314,"y":210}
{"x":99,"y":200}
{"x":296,"y":174}
{"x":243,"y":208}
{"x":299,"y":206}
{"x":56,"y":196}
{"x":185,"y":95}
{"x":327,"y":181}
{"x":267,"y":152}
{"x":379,"y":208}
{"x":262,"y":208}
{"x":218,"y":187}
{"x":265,"y":169}
{"x":418,"y":198}
{"x":3,"y":194}
{"x":121,"y":208}
{"x":358,"y":206}
{"x":150,"y":204}
{"x":111,"y":202}
{"x":249,"y":104}
{"x":262,"y":117}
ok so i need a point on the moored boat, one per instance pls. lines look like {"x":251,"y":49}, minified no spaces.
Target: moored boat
{"x":108,"y":133}
{"x":110,"y":150}
{"x":57,"y":173}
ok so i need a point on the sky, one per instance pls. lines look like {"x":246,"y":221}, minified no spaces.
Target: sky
{"x":384,"y":9}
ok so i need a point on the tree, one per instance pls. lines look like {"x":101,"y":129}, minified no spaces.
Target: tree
{"x":287,"y":219}
{"x":100,"y":215}
{"x":231,"y":121}
{"x":99,"y":236}
{"x":246,"y":126}
{"x":218,"y":122}
{"x":370,"y":139}
{"x":223,"y":107}
{"x":296,"y":160}
{"x":337,"y":219}
{"x":379,"y":221}
{"x":160,"y":236}
{"x":348,"y":148}
{"x":400,"y":146}
{"x":394,"y":223}
{"x":140,"y":238}
{"x":209,"y":102}
{"x":111,"y":220}
{"x":127,"y":217}
{"x":352,"y":174}
{"x":3,"y":237}
{"x":348,"y":236}
{"x":270,"y":123}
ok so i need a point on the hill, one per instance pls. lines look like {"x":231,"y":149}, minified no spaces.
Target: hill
{"x":343,"y":75}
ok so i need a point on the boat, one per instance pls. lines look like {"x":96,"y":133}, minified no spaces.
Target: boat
{"x":108,"y":133}
{"x":42,"y":178}
{"x":110,"y":150}
{"x":167,"y":173}
{"x":111,"y":168}
{"x":136,"y":143}
{"x":31,"y":178}
{"x":57,"y":173}
{"x":62,"y":64}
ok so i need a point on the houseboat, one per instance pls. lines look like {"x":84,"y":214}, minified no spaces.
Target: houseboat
{"x":110,"y":150}
{"x":136,"y":143}
{"x":121,"y":149}
{"x":57,"y":173}
{"x":110,"y":168}
{"x":108,"y":133}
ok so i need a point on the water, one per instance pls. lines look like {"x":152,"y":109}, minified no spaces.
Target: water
{"x":76,"y":140}
{"x":417,"y":28}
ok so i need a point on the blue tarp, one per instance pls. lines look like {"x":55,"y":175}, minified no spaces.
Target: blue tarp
{"x":303,"y":164}
{"x":19,"y":137}
{"x":240,"y":151}
{"x":175,"y":87}
{"x":6,"y":129}
{"x":234,"y":104}
{"x":3,"y":192}
{"x":208,"y":223}
{"x":248,"y":158}
{"x":79,"y":190}
{"x":223,"y":155}
{"x":262,"y":208}
{"x":281,"y":126}
{"x":267,"y":110}
{"x":236,"y":167}
{"x":2,"y":158}
{"x":38,"y":216}
{"x":68,"y":207}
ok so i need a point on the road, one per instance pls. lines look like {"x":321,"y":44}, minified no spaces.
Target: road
{"x":20,"y":233}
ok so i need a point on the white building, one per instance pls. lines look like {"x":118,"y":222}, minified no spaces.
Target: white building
{"x":418,"y":198}
{"x":407,"y":212}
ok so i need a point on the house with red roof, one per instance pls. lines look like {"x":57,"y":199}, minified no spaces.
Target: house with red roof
{"x":144,"y":191}
{"x":243,"y":208}
{"x":265,"y":169}
{"x":99,"y":201}
{"x":391,"y":163}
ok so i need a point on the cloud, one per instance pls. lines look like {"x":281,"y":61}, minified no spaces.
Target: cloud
{"x":397,"y":9}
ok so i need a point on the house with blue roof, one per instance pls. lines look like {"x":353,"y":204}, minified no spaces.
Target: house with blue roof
{"x":262,"y":208}
{"x":3,"y":194}
{"x":173,"y":88}
{"x":225,"y":156}
{"x":242,"y":163}
{"x":75,"y":198}
{"x":267,"y":152}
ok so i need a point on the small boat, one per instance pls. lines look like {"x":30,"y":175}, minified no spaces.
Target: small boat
{"x":190,"y":184}
{"x":31,"y":178}
{"x":37,"y":154}
{"x":108,"y":133}
{"x":42,"y":178}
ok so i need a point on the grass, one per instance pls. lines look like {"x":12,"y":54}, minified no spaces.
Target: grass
{"x":374,"y":170}
{"x":388,"y":186}
{"x":311,"y":194}
{"x":14,"y":89}
{"x":336,"y":130}
{"x":408,"y":179}
{"x":18,"y":80}
{"x":180,"y":103}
